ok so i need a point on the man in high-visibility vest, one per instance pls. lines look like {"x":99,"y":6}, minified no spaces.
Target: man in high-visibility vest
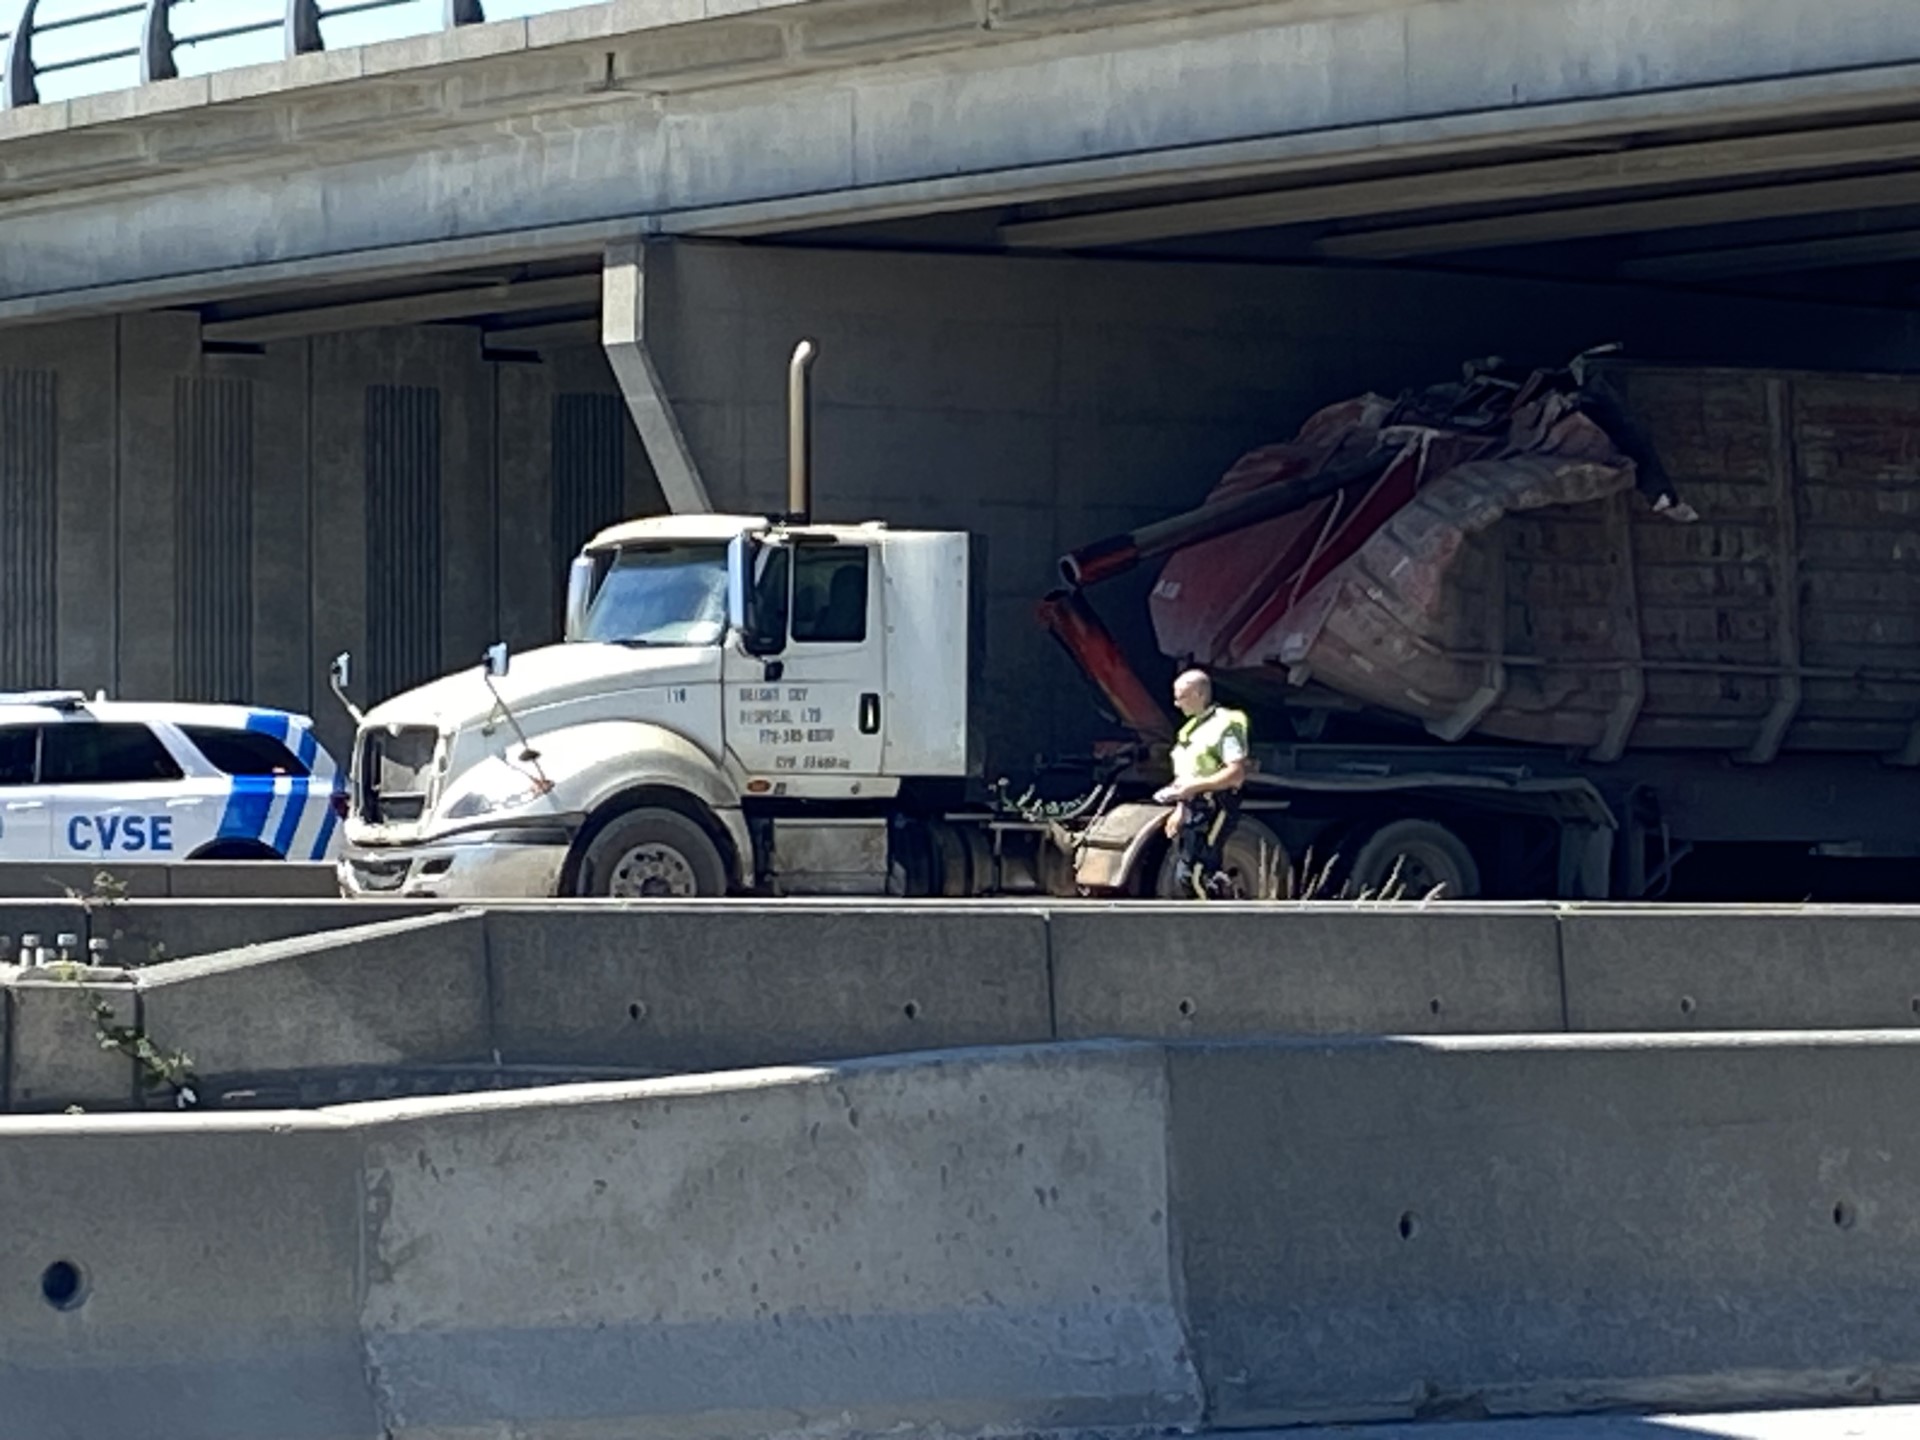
{"x":1209,"y":767}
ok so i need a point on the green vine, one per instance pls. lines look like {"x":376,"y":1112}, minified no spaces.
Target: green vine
{"x":108,"y":890}
{"x":157,"y":1067}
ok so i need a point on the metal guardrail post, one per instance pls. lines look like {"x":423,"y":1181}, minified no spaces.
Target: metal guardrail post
{"x":156,"y":44}
{"x":303,"y":28}
{"x":16,"y":76}
{"x":158,"y":48}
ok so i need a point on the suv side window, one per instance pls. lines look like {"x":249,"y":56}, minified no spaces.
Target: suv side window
{"x":93,"y":752}
{"x":829,"y":593}
{"x":18,"y":746}
{"x":243,"y":752}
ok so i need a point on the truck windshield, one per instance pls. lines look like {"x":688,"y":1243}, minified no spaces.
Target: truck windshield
{"x":662,"y":595}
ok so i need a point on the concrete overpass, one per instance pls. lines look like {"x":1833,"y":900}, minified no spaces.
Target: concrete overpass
{"x":1326,"y":129}
{"x":1067,"y":260}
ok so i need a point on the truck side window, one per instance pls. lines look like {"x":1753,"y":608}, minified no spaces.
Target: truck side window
{"x":767,"y":613}
{"x":830,"y":594}
{"x":16,"y":754}
{"x":92,"y":752}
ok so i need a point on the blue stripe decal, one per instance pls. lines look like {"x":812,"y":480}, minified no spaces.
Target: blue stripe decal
{"x":296,"y":807}
{"x":248,"y":804}
{"x":268,"y":722}
{"x":327,"y":822}
{"x":290,"y":816}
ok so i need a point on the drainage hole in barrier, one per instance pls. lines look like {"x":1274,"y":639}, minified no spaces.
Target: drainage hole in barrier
{"x":63,"y":1285}
{"x":1843,"y":1215}
{"x":1186,"y":1008}
{"x":911,"y":1009}
{"x":1434,"y":1005}
{"x":1409,"y":1224}
{"x":636,"y":1011}
{"x":1914,"y":1004}
{"x":1687,"y":1006}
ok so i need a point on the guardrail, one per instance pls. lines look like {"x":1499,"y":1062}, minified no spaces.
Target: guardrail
{"x":155,"y":33}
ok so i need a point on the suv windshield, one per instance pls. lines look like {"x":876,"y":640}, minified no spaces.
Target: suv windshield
{"x":662,"y":595}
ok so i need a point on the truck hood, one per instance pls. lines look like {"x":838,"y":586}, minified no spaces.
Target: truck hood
{"x":552,"y":675}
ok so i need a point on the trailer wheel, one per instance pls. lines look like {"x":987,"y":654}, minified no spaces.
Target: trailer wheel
{"x":652,"y":853}
{"x":1254,"y":861}
{"x":1417,"y":857}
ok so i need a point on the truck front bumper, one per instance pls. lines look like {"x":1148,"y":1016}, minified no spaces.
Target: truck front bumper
{"x":519,"y":863}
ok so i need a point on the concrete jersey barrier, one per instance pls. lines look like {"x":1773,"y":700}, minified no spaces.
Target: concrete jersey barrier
{"x":322,"y":1002}
{"x":190,"y":1277}
{"x":200,"y":879}
{"x":1108,"y":1238}
{"x":978,"y":1243}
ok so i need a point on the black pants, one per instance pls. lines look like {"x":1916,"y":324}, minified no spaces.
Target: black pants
{"x":1205,"y":823}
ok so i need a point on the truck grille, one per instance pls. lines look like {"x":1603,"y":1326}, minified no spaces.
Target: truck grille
{"x":396,"y":774}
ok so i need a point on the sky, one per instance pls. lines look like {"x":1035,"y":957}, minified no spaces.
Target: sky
{"x":192,"y":17}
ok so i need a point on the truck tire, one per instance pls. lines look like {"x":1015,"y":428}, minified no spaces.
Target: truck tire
{"x":1427,"y":855}
{"x":1253,"y":858}
{"x":652,"y":853}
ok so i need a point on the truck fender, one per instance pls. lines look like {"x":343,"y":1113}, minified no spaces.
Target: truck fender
{"x":1110,"y":849}
{"x":593,"y":765}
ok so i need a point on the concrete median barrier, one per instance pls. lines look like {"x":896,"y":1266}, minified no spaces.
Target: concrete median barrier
{"x":410,"y":992}
{"x":689,"y":987}
{"x":1741,"y":969}
{"x":285,"y":879}
{"x":33,"y":880}
{"x":1173,"y":972}
{"x":1377,"y":1228}
{"x":150,"y":932}
{"x":970,"y":1245}
{"x":53,"y":1054}
{"x":180,"y":1276}
{"x":195,"y":880}
{"x":1104,"y":1238}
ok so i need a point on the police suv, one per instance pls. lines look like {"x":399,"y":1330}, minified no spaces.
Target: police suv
{"x":96,"y":780}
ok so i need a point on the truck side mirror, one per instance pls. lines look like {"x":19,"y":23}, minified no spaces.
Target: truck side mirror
{"x":495,"y":659}
{"x":339,"y":677}
{"x":579,"y":596}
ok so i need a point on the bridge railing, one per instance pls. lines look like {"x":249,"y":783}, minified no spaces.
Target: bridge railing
{"x":88,"y":50}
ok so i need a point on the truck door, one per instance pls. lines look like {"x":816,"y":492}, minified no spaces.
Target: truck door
{"x":25,"y":805}
{"x":814,"y":707}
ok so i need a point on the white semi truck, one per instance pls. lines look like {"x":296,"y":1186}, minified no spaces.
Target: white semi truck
{"x":1488,"y":647}
{"x":740,"y":704}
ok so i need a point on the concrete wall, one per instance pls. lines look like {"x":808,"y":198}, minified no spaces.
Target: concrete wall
{"x":1047,"y":403}
{"x":223,"y":525}
{"x":1098,"y":1239}
{"x":1040,"y":403}
{"x":319,"y":1002}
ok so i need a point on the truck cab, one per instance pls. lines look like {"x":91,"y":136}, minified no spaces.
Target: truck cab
{"x":737,"y":703}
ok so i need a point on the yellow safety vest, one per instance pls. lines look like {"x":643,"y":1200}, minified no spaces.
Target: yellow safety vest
{"x":1197,"y":748}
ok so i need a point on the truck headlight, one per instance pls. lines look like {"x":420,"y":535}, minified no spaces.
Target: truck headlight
{"x":501,"y":788}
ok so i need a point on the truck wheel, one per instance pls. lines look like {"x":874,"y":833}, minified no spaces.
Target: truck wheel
{"x":1417,"y":857}
{"x":651,"y":853}
{"x":1254,"y":861}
